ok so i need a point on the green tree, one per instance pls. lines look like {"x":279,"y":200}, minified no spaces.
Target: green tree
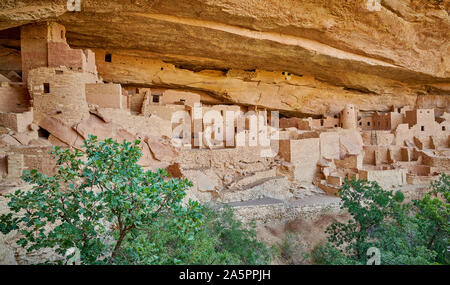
{"x":222,"y":239}
{"x":96,"y":198}
{"x":369,"y":205}
{"x":433,"y":218}
{"x":413,"y":233}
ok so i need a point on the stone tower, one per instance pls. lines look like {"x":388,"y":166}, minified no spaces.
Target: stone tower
{"x":348,"y":117}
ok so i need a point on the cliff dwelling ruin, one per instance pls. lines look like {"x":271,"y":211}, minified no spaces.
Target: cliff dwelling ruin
{"x":248,"y":130}
{"x":62,"y":99}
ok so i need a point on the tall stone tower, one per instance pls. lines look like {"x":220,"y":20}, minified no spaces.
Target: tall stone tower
{"x":349,"y":117}
{"x":44,"y":45}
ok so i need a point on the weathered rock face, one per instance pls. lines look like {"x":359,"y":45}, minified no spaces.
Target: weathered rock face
{"x":295,"y":56}
{"x":271,"y":89}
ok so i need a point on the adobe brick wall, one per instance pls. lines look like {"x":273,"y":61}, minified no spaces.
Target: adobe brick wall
{"x":387,"y":121}
{"x":329,"y":145}
{"x":17,"y":122}
{"x":385,"y":178}
{"x":227,"y":129}
{"x":375,"y":155}
{"x":135,"y":97}
{"x":381,"y":121}
{"x":67,"y":98}
{"x":330,"y":122}
{"x":420,"y":170}
{"x":421,"y":117}
{"x":44,"y":45}
{"x":59,"y":54}
{"x":304,"y":154}
{"x":135,"y":100}
{"x":174,"y":96}
{"x":36,"y":157}
{"x":33,"y":42}
{"x":384,"y":137}
{"x":395,"y":153}
{"x":401,"y":134}
{"x":164,"y":112}
{"x":352,"y":162}
{"x":395,"y":119}
{"x":366,"y":123}
{"x":289,"y":123}
{"x":443,"y":162}
{"x":106,"y":95}
{"x":334,"y":180}
{"x":3,"y":165}
{"x":152,"y":126}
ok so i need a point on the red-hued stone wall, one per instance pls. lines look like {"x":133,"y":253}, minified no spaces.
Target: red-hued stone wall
{"x":59,"y":54}
{"x":65,"y":98}
{"x":44,"y":45}
{"x":33,"y":47}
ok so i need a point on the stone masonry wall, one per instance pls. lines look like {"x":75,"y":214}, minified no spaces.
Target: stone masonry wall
{"x":18,"y":122}
{"x":66,"y":97}
{"x":13,"y":97}
{"x":106,"y":95}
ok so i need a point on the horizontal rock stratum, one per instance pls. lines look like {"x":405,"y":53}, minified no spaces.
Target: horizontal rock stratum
{"x":303,"y":57}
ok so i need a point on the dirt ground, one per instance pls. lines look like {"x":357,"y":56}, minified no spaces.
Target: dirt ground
{"x":294,"y":239}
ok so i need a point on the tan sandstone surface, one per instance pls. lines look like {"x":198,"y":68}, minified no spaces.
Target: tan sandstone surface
{"x":301,"y":56}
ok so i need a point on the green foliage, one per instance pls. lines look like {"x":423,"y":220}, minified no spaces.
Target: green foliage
{"x":369,"y":205}
{"x":288,"y":250}
{"x":94,"y":196}
{"x":414,"y":233}
{"x":327,"y":254}
{"x":433,"y":218}
{"x":403,"y":244}
{"x":221,"y":240}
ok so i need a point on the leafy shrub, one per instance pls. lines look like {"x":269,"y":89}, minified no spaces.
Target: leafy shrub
{"x":414,"y":233}
{"x":433,"y":219}
{"x":369,"y":205}
{"x":94,"y":201}
{"x":221,"y":240}
{"x":327,"y":254}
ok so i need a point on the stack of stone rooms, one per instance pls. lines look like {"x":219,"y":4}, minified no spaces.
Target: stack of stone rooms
{"x":57,"y":97}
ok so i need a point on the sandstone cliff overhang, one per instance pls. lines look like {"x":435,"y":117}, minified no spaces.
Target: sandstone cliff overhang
{"x":401,"y":50}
